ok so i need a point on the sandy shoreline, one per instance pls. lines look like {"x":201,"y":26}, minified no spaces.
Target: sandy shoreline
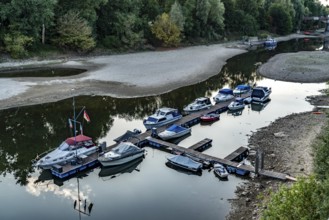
{"x":128,"y":75}
{"x":122,"y":76}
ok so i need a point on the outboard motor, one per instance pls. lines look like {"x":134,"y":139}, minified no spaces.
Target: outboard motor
{"x":154,"y":132}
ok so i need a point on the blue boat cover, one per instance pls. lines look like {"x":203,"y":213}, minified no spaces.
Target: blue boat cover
{"x":185,"y":161}
{"x":243,"y":87}
{"x":176,"y":128}
{"x":226,"y":91}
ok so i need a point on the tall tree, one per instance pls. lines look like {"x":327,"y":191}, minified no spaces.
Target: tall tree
{"x":166,"y":30}
{"x":281,"y":21}
{"x":74,"y":33}
{"x":119,"y":24}
{"x":86,"y":8}
{"x":176,"y":15}
{"x":229,"y":18}
{"x":28,"y":17}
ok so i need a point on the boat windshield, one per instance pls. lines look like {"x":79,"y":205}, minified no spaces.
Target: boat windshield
{"x":158,"y":112}
{"x":151,"y":119}
{"x":64,"y":146}
{"x":257,"y":93}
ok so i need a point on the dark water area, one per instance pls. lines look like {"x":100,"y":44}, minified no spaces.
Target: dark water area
{"x":40,"y":72}
{"x":148,"y":189}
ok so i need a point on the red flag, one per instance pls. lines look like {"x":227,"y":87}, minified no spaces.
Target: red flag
{"x":86,"y":116}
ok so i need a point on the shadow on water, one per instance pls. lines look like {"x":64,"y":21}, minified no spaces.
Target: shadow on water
{"x":30,"y":130}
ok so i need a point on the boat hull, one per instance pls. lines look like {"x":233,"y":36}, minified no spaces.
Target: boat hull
{"x":66,"y":159}
{"x":236,"y":107}
{"x":209,"y":118}
{"x":120,"y":161}
{"x":189,"y":109}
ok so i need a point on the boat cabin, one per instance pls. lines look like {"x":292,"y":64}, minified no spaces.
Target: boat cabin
{"x":203,"y":101}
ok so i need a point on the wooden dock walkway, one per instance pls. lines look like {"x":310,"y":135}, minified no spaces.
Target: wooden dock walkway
{"x":201,"y":145}
{"x":194,"y":151}
{"x":198,"y":155}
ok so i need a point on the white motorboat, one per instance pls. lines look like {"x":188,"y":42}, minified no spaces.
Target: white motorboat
{"x":241,"y":89}
{"x":70,"y":150}
{"x":120,"y":169}
{"x":161,"y":117}
{"x":224,"y":95}
{"x":174,"y":131}
{"x":261,"y":94}
{"x":220,"y":171}
{"x":198,"y":104}
{"x":270,"y":42}
{"x":185,"y":163}
{"x":237,"y":104}
{"x":121,"y":154}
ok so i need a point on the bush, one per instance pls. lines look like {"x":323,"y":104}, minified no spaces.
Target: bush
{"x":111,"y":41}
{"x":16,"y":44}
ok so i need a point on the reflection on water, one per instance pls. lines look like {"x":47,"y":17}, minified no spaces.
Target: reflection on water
{"x":155,"y":191}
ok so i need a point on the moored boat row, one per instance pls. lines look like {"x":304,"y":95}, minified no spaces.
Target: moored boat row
{"x":81,"y":146}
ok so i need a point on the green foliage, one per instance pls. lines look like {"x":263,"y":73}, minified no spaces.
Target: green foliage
{"x":111,"y":41}
{"x":305,"y":199}
{"x":166,"y":30}
{"x":321,"y":155}
{"x":247,"y":24}
{"x":281,"y":20}
{"x":74,"y":33}
{"x":122,"y":20}
{"x":87,"y":8}
{"x":28,"y":16}
{"x":16,"y":44}
{"x":176,"y":15}
{"x":125,"y":24}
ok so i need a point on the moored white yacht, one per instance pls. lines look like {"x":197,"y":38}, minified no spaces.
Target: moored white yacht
{"x":161,"y":117}
{"x":70,"y":150}
{"x":198,"y":104}
{"x":121,"y":154}
{"x":261,"y":94}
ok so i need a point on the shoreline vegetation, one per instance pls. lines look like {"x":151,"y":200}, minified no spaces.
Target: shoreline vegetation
{"x":290,"y":153}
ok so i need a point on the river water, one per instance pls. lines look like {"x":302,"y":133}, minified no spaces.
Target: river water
{"x":150,"y":190}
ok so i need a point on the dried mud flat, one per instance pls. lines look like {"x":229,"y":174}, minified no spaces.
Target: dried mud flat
{"x":303,"y":67}
{"x":287,"y":146}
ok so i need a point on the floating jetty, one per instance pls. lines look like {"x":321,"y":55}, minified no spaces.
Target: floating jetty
{"x":148,"y":138}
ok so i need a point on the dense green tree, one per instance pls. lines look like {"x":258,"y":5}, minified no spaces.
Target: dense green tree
{"x":190,"y":28}
{"x":16,"y":44}
{"x":229,"y":18}
{"x":74,"y":33}
{"x":176,"y":15}
{"x":299,"y":13}
{"x":248,"y":7}
{"x":86,"y":8}
{"x":246,"y":25}
{"x":166,"y":30}
{"x":281,"y":22}
{"x":210,"y":18}
{"x":27,"y":17}
{"x":119,"y":24}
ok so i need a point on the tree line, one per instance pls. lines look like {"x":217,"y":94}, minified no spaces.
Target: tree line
{"x":28,"y":25}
